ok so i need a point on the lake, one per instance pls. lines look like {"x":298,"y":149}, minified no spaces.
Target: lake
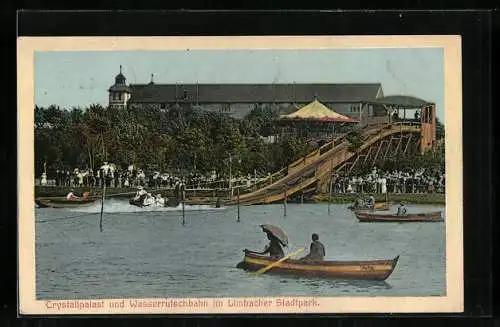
{"x":150,"y":253}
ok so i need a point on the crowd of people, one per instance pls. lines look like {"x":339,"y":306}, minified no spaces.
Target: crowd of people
{"x":399,"y":181}
{"x":133,"y":177}
{"x":377,"y":181}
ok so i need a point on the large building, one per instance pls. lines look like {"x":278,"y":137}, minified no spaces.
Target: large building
{"x":238,"y":100}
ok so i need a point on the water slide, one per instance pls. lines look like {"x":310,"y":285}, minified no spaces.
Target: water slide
{"x":305,"y":173}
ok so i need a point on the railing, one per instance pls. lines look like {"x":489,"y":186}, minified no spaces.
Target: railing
{"x":320,"y":163}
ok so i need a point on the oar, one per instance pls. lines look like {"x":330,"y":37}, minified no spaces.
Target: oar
{"x":263,"y":270}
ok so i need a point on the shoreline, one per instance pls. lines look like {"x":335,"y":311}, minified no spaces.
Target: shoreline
{"x":204,"y":196}
{"x":414,"y":198}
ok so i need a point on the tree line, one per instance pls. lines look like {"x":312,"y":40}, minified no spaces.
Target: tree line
{"x":179,"y":138}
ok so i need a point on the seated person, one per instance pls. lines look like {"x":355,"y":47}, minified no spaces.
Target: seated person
{"x":370,"y":203}
{"x":148,"y":199}
{"x":141,"y":193}
{"x":273,"y":248}
{"x":159,"y":200}
{"x":360,"y":203}
{"x":71,"y":195}
{"x":401,"y":210}
{"x":85,"y":195}
{"x":316,"y":251}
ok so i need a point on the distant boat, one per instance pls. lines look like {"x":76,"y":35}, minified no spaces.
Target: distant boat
{"x":62,"y":202}
{"x":364,"y":216}
{"x":359,"y":270}
{"x":171,"y":202}
{"x":381,"y":206}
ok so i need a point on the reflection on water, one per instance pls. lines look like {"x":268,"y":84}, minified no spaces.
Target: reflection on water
{"x":318,"y":283}
{"x":151,"y":254}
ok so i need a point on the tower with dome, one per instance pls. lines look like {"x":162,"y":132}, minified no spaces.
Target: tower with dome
{"x":119,"y":93}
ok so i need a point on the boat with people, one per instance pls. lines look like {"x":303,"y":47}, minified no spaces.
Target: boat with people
{"x":361,"y":270}
{"x":381,"y":206}
{"x":146,"y":199}
{"x":312,"y":265}
{"x":69,"y":201}
{"x":369,"y":203}
{"x":62,"y":202}
{"x":364,"y":216}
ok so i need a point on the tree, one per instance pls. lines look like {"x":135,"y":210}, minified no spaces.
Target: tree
{"x":170,"y":138}
{"x":439,"y":129}
{"x":356,"y":140}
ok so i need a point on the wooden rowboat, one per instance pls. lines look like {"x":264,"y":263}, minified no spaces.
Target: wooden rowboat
{"x":381,"y":206}
{"x":364,"y":216}
{"x":360,"y":270}
{"x":62,"y":202}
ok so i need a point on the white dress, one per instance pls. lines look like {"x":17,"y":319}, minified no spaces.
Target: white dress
{"x":383,"y":183}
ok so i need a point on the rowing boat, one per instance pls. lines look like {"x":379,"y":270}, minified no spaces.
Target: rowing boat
{"x":364,"y":216}
{"x":62,"y":202}
{"x":381,"y":206}
{"x":360,"y":270}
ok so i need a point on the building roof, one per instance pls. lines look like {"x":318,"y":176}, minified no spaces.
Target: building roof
{"x":403,"y":101}
{"x":253,"y":93}
{"x":119,"y":88}
{"x":318,"y":112}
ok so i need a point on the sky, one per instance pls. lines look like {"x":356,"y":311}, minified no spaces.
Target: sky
{"x":80,"y":78}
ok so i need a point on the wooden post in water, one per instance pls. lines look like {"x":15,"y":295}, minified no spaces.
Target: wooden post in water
{"x":103,"y":184}
{"x":183,"y":198}
{"x":284,"y":203}
{"x":238,"y":197}
{"x":330,"y":196}
{"x":302,"y":190}
{"x":102,"y":204}
{"x":183,"y":214}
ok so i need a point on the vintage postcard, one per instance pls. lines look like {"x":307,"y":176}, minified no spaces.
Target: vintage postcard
{"x":215,"y":175}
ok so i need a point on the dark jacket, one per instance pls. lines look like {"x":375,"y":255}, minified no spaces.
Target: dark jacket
{"x":273,"y":249}
{"x":316,"y":252}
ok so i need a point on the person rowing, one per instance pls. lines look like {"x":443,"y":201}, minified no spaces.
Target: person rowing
{"x":273,"y":248}
{"x":71,"y":196}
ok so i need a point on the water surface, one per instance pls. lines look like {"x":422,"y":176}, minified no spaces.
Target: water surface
{"x":149,"y":253}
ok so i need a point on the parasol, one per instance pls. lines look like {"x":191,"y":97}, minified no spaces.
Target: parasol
{"x":276,"y":232}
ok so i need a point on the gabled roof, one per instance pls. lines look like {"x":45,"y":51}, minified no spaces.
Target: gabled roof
{"x":253,"y":93}
{"x":319,"y":112}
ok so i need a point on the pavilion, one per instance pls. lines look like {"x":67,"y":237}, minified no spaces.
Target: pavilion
{"x":396,"y":107}
{"x":314,"y":120}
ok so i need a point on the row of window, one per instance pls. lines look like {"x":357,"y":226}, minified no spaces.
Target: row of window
{"x":117,"y":96}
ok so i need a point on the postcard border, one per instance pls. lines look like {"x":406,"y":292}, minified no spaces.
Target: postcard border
{"x":452,"y":302}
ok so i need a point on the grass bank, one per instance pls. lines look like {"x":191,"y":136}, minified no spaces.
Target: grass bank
{"x":209,"y":196}
{"x":423,"y":198}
